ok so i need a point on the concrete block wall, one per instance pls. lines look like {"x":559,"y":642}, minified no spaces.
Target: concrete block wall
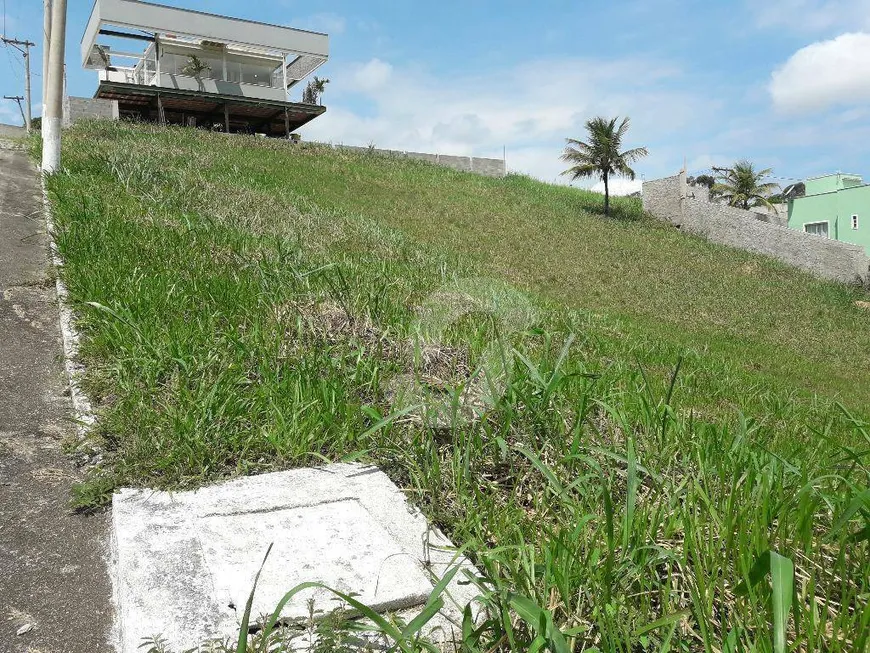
{"x":82,"y":108}
{"x":422,"y":156}
{"x":778,"y":216}
{"x":477,"y":165}
{"x":662,"y":198}
{"x":461,"y":163}
{"x":671,"y":199}
{"x":779,"y":219}
{"x":488,"y":167}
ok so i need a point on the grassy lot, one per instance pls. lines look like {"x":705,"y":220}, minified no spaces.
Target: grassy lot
{"x":741,"y":308}
{"x":662,"y":467}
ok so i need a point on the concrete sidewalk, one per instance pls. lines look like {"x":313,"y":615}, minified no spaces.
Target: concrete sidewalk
{"x":52,"y":571}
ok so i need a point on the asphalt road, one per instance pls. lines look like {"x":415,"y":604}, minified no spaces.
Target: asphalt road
{"x":52,"y":563}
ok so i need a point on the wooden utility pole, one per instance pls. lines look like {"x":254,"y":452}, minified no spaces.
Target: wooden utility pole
{"x":53,"y":118}
{"x":24,"y":48}
{"x":46,"y":46}
{"x":18,"y":99}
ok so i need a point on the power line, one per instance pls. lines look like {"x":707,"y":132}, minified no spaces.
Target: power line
{"x":9,"y":56}
{"x":712,"y":171}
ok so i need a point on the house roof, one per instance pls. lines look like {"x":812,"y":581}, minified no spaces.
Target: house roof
{"x":137,"y":15}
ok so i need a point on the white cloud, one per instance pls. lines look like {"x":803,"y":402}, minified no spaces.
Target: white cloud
{"x":529,"y":109}
{"x":824,"y":74}
{"x":811,"y":15}
{"x":9,"y":113}
{"x":370,"y":76}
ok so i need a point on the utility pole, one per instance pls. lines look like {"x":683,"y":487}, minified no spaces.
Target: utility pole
{"x":46,"y":46}
{"x":18,"y":99}
{"x":53,"y":118}
{"x":24,"y":48}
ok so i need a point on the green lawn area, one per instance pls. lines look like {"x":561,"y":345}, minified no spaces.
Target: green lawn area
{"x":743,"y":309}
{"x":667,"y":434}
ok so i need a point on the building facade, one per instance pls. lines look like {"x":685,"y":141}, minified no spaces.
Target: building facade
{"x":835,"y":206}
{"x":174,"y":65}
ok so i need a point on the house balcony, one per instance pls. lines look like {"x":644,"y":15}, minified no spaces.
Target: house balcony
{"x":197,"y":68}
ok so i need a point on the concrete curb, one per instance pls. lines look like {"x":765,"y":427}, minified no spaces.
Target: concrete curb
{"x":82,"y":407}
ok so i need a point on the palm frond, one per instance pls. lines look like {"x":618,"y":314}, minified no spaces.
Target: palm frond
{"x":743,"y":186}
{"x":599,"y":155}
{"x":769,"y":188}
{"x":634,"y":154}
{"x":581,"y":171}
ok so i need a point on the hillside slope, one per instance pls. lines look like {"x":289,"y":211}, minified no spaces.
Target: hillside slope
{"x":747,"y":310}
{"x":663,"y":421}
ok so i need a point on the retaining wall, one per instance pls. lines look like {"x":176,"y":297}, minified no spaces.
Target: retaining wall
{"x":777,"y":215}
{"x":671,"y":199}
{"x":83,"y":108}
{"x":477,"y":165}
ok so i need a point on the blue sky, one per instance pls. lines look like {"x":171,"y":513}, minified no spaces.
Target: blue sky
{"x":785,"y":83}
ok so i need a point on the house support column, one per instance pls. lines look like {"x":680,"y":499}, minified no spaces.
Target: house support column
{"x":226,"y":118}
{"x":284,"y":72}
{"x":161,"y":115}
{"x":286,"y":123}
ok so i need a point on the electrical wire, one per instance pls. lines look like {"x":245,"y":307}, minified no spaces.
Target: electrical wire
{"x":18,"y":73}
{"x":712,"y":173}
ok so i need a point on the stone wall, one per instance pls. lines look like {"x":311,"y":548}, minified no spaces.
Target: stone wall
{"x":477,"y":165}
{"x":662,"y":198}
{"x":83,"y":108}
{"x":671,"y":199}
{"x":778,"y":215}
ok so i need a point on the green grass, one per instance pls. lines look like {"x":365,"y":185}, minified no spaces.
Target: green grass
{"x":738,"y":307}
{"x":667,"y":443}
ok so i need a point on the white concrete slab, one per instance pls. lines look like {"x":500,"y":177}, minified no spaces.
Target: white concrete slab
{"x":184,"y":563}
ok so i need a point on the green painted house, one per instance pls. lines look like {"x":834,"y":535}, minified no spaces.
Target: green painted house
{"x":834,"y":206}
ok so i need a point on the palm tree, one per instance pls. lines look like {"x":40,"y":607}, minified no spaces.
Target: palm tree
{"x":743,"y":186}
{"x":314,"y":90}
{"x":601,"y":156}
{"x":320,"y":86}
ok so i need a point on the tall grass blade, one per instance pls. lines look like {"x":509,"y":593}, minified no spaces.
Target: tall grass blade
{"x":782,"y":581}
{"x":242,"y":645}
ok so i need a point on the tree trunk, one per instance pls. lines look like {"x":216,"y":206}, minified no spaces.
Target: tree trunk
{"x":606,"y":197}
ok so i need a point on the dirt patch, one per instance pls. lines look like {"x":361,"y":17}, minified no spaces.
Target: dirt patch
{"x":435,"y":381}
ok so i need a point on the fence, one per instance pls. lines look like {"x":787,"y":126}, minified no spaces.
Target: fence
{"x":476,"y":165}
{"x":690,"y":209}
{"x":79,"y":108}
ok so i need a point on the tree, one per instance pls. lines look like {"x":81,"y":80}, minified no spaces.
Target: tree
{"x":320,"y":86}
{"x":314,"y":90}
{"x":743,"y":186}
{"x":601,"y":156}
{"x":703,"y":180}
{"x":195,"y":67}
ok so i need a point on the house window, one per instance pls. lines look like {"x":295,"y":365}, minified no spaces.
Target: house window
{"x":817,"y":228}
{"x":855,"y":222}
{"x":247,"y":72}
